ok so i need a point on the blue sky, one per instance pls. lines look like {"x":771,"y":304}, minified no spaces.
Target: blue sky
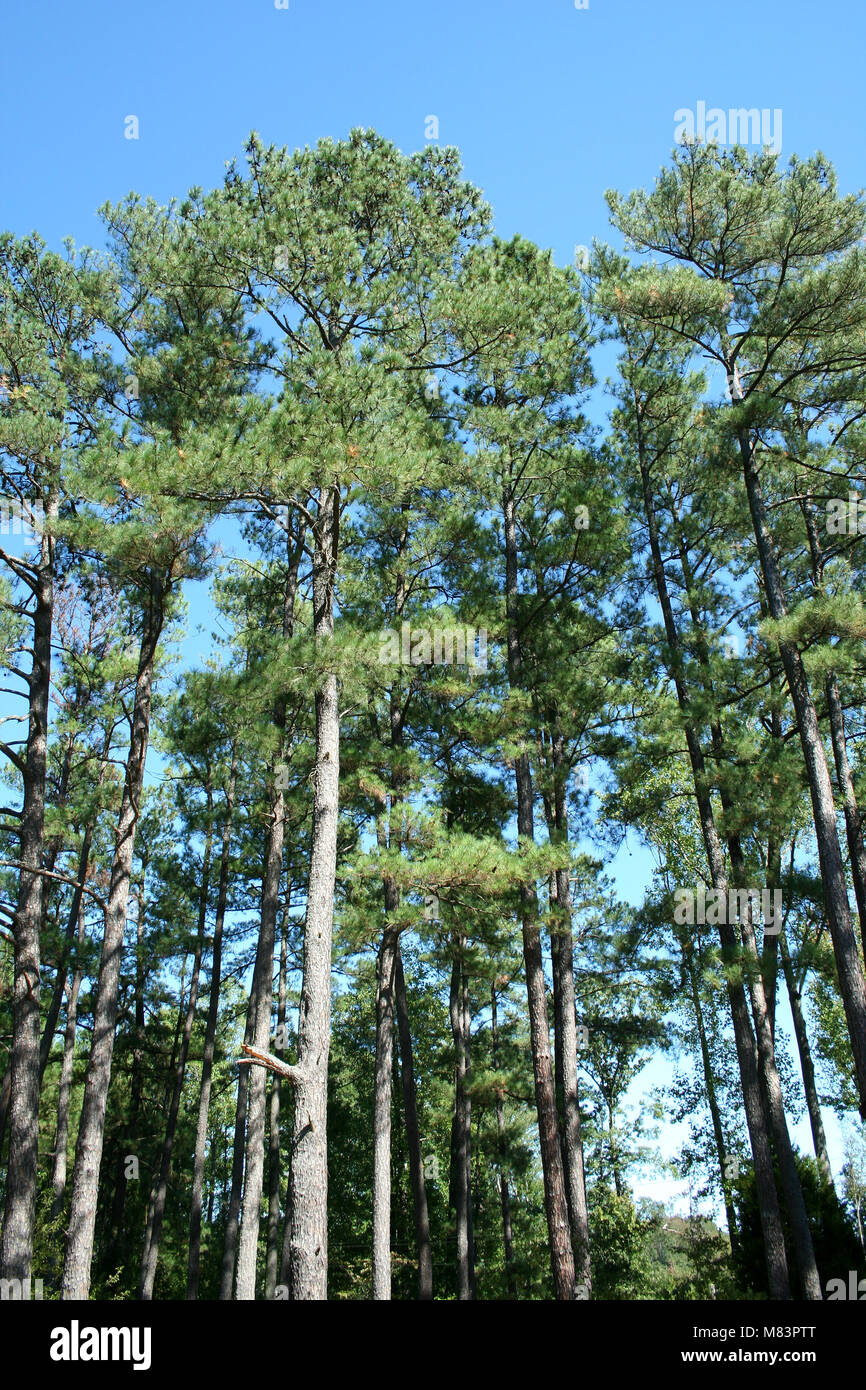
{"x":549,"y":105}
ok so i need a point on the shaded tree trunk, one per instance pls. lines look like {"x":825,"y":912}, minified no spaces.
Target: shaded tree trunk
{"x":849,"y":965}
{"x":384,"y":1067}
{"x":413,"y":1135}
{"x":555,"y":1200}
{"x":16,"y":1243}
{"x":504,"y":1196}
{"x":756,"y":1119}
{"x":813,"y":1104}
{"x":193,"y":1264}
{"x":153,"y":1235}
{"x":461,"y":1147}
{"x":88,"y":1154}
{"x":712,"y":1098}
{"x":273,"y":1254}
{"x":260,"y":1006}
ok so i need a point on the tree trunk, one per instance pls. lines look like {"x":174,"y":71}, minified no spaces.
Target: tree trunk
{"x":813,"y":1105}
{"x":504,"y":1196}
{"x":16,"y":1244}
{"x":273,"y":1254}
{"x":382,"y":1101}
{"x":765,"y":1182}
{"x":88,"y":1153}
{"x":565,"y":1029}
{"x":413,"y":1135}
{"x":849,"y":965}
{"x":461,"y":1149}
{"x":853,"y":818}
{"x":754,"y":972}
{"x":555,"y":1201}
{"x":260,"y":1006}
{"x":150,"y":1254}
{"x":309,"y":1171}
{"x":193,"y":1264}
{"x":712,"y":1098}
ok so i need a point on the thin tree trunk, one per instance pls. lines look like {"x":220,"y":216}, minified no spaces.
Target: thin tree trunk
{"x":260,"y":1006}
{"x":16,"y":1243}
{"x":461,"y":1152}
{"x":194,"y":1261}
{"x":853,"y":818}
{"x":712,"y":1099}
{"x":384,"y":1067}
{"x":565,"y":1027}
{"x":768,"y":1072}
{"x":504,"y":1196}
{"x":64,"y":1095}
{"x":413,"y":1135}
{"x":150,"y":1254}
{"x":273,"y":1254}
{"x":555,"y":1200}
{"x":849,"y":965}
{"x":813,"y":1105}
{"x":88,"y":1154}
{"x":765,"y":1182}
{"x":309,"y":1171}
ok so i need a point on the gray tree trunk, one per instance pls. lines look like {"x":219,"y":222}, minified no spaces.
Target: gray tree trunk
{"x":849,"y":965}
{"x":16,"y":1243}
{"x":384,"y":1067}
{"x":413,"y":1135}
{"x":756,"y":1119}
{"x":153,"y":1236}
{"x":555,"y":1200}
{"x":273,"y":1253}
{"x":807,"y":1067}
{"x":309,"y":1170}
{"x":194,"y":1260}
{"x":88,"y":1153}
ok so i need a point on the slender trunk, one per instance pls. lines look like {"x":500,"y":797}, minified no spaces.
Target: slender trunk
{"x":461,"y":1151}
{"x":230,"y":1238}
{"x":565,"y":1029}
{"x":849,"y":965}
{"x":813,"y":1105}
{"x":712,"y":1098}
{"x":88,"y":1153}
{"x":555,"y":1201}
{"x":16,"y":1244}
{"x":194,"y":1261}
{"x":504,"y":1196}
{"x":64,"y":1095}
{"x":150,"y":1254}
{"x":853,"y":818}
{"x":768,"y":1072}
{"x":272,"y":1255}
{"x":309,"y":1171}
{"x":382,"y":1101}
{"x":116,"y":1252}
{"x":765,"y":1182}
{"x":260,"y":1006}
{"x":413,"y":1135}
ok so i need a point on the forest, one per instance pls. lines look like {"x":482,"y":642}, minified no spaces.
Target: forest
{"x":370,"y":583}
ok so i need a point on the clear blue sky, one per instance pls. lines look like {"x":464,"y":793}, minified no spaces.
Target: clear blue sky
{"x":549,"y":105}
